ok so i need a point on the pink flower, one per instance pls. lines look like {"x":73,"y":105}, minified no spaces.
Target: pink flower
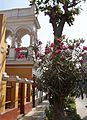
{"x":82,"y":54}
{"x":53,"y":55}
{"x":17,"y":49}
{"x":59,"y":40}
{"x":84,"y":48}
{"x":61,"y":45}
{"x":81,"y":61}
{"x":57,"y":51}
{"x":47,"y":50}
{"x":64,"y":47}
{"x":20,"y":56}
{"x":52,"y":45}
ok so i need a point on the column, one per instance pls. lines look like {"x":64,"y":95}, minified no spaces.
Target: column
{"x":32,"y":37}
{"x":30,"y":54}
{"x":31,"y":91}
{"x":25,"y":100}
{"x":12,"y":51}
{"x":16,"y":95}
{"x":13,"y":40}
{"x":35,"y":38}
{"x":18,"y":41}
{"x":22,"y":98}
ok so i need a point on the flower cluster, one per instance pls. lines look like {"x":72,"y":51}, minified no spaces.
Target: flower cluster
{"x":20,"y":53}
{"x":17,"y":49}
{"x":20,"y":56}
{"x":61,"y":66}
{"x":63,"y":50}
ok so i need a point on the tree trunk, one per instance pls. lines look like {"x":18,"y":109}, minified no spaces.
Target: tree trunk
{"x":58,"y":109}
{"x":58,"y":28}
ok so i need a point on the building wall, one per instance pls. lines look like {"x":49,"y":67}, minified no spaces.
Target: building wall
{"x":20,"y":70}
{"x":2,"y":61}
{"x":2,"y":45}
{"x":23,"y":71}
{"x":13,"y":114}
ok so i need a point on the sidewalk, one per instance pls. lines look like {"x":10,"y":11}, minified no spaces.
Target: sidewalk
{"x":81,"y":106}
{"x":37,"y":113}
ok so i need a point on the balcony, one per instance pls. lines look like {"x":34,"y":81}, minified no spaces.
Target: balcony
{"x":22,"y":55}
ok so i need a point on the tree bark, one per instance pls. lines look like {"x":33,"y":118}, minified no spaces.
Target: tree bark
{"x":58,"y":28}
{"x":58,"y":32}
{"x":58,"y":109}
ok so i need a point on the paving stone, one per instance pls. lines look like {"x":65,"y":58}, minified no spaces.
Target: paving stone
{"x":37,"y":113}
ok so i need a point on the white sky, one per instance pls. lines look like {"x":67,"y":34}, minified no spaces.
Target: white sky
{"x":78,"y":30}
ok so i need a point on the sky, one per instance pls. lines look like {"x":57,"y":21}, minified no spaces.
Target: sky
{"x":45,"y":33}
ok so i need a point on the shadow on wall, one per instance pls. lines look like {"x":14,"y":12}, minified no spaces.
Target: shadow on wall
{"x":85,"y":118}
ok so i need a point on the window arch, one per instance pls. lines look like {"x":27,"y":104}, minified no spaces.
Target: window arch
{"x":25,"y":41}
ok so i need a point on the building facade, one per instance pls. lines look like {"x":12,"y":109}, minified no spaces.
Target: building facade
{"x":17,"y":73}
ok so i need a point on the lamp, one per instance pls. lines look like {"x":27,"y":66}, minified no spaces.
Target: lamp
{"x":27,"y":81}
{"x":5,"y":76}
{"x":18,"y":78}
{"x":31,"y":81}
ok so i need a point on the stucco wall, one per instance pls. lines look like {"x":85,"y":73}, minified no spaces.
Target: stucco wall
{"x":2,"y":61}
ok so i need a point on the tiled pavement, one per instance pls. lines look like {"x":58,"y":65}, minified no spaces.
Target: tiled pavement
{"x":37,"y":113}
{"x":81,"y":106}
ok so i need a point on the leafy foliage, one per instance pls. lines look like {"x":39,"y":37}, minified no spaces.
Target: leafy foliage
{"x":61,"y":72}
{"x":59,"y":12}
{"x":71,"y":109}
{"x":61,"y":68}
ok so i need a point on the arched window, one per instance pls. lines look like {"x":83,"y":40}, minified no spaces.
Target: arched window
{"x":8,"y":40}
{"x":25,"y":41}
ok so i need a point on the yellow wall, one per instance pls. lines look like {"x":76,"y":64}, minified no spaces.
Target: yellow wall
{"x":3,"y":96}
{"x":2,"y":45}
{"x":22,"y":72}
{"x":2,"y":61}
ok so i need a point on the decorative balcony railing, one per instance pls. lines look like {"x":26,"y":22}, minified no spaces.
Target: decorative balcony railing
{"x":22,"y":53}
